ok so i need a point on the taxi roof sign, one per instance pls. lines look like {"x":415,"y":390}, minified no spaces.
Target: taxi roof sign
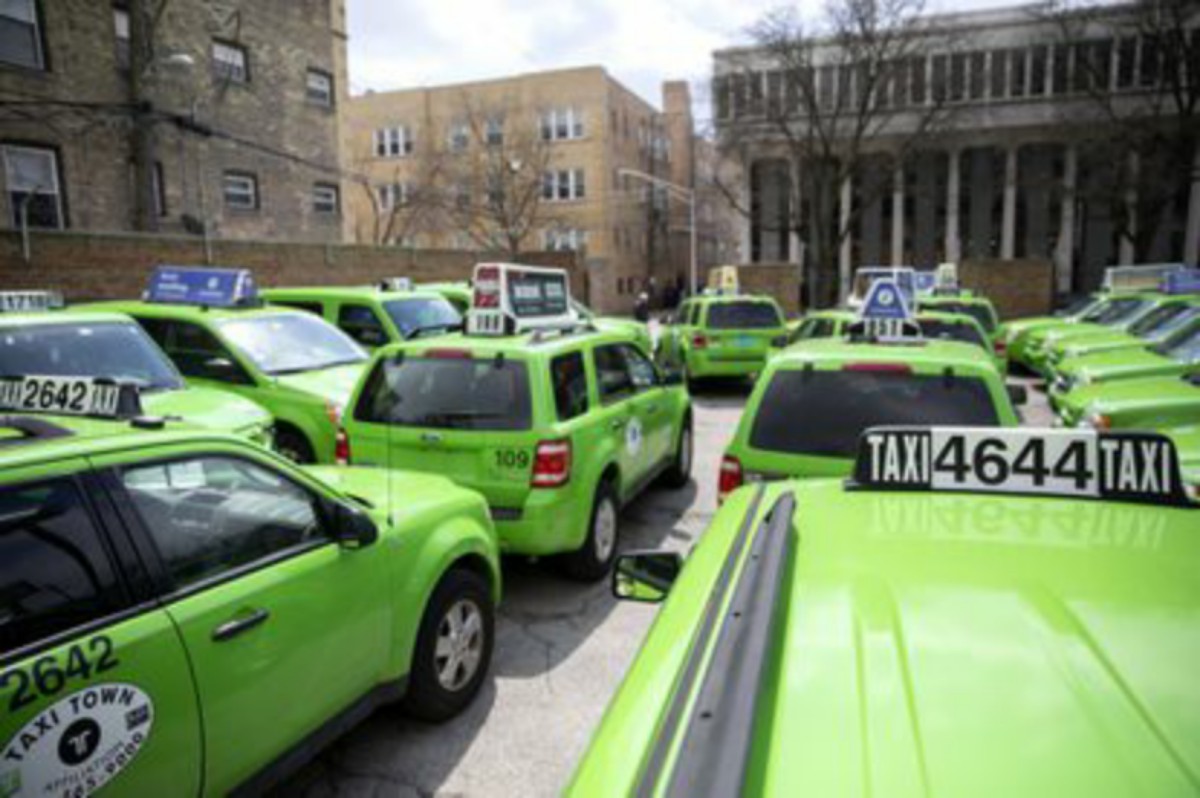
{"x":29,"y":301}
{"x":94,"y":397}
{"x":1181,"y":281}
{"x":924,"y":282}
{"x":202,"y":285}
{"x":1138,"y":277}
{"x":946,"y":277}
{"x":396,"y":284}
{"x":865,"y":277}
{"x":508,"y":298}
{"x":886,"y":314}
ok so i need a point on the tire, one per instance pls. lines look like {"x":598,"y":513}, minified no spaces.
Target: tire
{"x":439,"y":688}
{"x":591,"y":561}
{"x":292,"y":444}
{"x":680,"y":471}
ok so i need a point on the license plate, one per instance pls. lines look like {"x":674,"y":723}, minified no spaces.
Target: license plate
{"x":1134,"y":466}
{"x":744,"y":341}
{"x":80,"y":396}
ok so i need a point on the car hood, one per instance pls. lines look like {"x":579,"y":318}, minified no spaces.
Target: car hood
{"x":333,"y":384}
{"x":381,"y":489}
{"x":1117,"y":362}
{"x":210,"y":408}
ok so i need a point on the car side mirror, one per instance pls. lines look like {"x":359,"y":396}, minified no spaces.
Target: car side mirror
{"x":1018,"y":394}
{"x":672,"y":377}
{"x":646,"y":576}
{"x":352,"y":527}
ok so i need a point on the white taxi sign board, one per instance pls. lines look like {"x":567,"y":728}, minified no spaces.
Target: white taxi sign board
{"x":1072,"y":463}
{"x":72,"y":396}
{"x":509,"y":298}
{"x":1139,"y":276}
{"x":866,"y":276}
{"x":29,"y":301}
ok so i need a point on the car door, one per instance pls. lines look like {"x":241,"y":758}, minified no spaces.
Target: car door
{"x":94,"y":682}
{"x":619,"y":413}
{"x":651,"y":407}
{"x":284,"y":628}
{"x":199,"y":355}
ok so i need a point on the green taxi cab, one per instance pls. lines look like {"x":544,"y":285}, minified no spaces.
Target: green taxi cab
{"x":457,"y":293}
{"x":296,"y":365}
{"x":990,"y":613}
{"x":1148,"y":403}
{"x":1118,"y":314}
{"x":977,"y":307}
{"x":722,"y":336}
{"x":372,"y":316}
{"x":1083,"y":377}
{"x":556,"y":423}
{"x":43,"y":356}
{"x":1156,"y":325}
{"x":185,"y":613}
{"x":1015,"y":334}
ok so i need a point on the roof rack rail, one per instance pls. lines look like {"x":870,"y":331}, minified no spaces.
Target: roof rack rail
{"x":544,"y":334}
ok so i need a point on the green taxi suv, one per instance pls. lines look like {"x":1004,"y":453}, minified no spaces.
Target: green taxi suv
{"x":558,"y":425}
{"x":1016,"y":334}
{"x":44,"y":356}
{"x":977,"y":307}
{"x":1178,"y":354}
{"x":372,"y":316}
{"x":1149,"y":403}
{"x":1116,"y":315}
{"x":722,"y":336}
{"x":185,"y":613}
{"x":299,"y":367}
{"x":986,"y":613}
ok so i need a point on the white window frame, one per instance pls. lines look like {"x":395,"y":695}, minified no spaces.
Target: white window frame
{"x":121,"y":34}
{"x":56,"y":190}
{"x":562,"y":124}
{"x":392,"y":195}
{"x":230,"y":61}
{"x":319,"y":95}
{"x":459,"y":137}
{"x":34,"y":22}
{"x":249,"y":188}
{"x":493,"y":134}
{"x":564,"y":185}
{"x":327,"y":199}
{"x":570,"y":239}
{"x":392,"y":142}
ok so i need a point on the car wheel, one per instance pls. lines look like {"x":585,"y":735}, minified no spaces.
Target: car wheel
{"x":592,"y":560}
{"x":680,"y":471}
{"x":454,"y":647}
{"x":292,"y":444}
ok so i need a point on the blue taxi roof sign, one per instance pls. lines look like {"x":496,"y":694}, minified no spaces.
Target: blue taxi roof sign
{"x":29,"y":301}
{"x":1182,"y":281}
{"x":202,"y":285}
{"x":885,"y":300}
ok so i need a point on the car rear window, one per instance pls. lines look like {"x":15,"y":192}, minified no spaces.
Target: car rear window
{"x":743,"y":316}
{"x":448,"y":393}
{"x":1115,"y":311}
{"x":1162,"y":319}
{"x":951,"y":331}
{"x":823,"y":412}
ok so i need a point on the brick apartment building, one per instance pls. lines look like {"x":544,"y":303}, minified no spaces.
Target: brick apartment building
{"x":233,"y":113}
{"x":572,"y":131}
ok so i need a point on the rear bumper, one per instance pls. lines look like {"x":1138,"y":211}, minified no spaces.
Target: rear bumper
{"x":549,"y":522}
{"x":703,"y":365}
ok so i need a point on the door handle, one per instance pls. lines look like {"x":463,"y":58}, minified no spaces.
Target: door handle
{"x":231,"y":629}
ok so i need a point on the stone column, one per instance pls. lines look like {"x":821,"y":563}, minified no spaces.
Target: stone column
{"x":898,"y":215}
{"x":844,"y":251}
{"x":1191,"y":241}
{"x":1008,"y":226}
{"x":953,"y":188}
{"x":1064,"y":255}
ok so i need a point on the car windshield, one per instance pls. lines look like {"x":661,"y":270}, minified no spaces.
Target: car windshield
{"x":115,"y":350}
{"x":951,"y":331}
{"x":836,"y":406}
{"x":422,"y":314}
{"x":1163,"y":321}
{"x":289,"y":343}
{"x":981,"y":313}
{"x":448,"y":393}
{"x":743,"y":316}
{"x":1115,"y":311}
{"x":1183,"y":347}
{"x":1077,"y":305}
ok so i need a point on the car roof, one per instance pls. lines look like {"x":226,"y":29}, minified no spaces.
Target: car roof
{"x":932,"y":353}
{"x":65,"y":316}
{"x":522,"y":344}
{"x":363,"y":292}
{"x":165,"y":310}
{"x":726,"y":298}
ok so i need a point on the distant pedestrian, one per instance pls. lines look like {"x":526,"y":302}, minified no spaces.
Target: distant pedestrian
{"x":641,"y":308}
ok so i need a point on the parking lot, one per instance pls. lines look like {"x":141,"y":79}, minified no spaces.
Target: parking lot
{"x":561,"y":651}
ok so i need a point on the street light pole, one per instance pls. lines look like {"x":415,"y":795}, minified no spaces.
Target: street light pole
{"x":686,"y":195}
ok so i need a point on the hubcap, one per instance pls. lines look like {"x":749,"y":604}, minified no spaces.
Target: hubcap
{"x":605,"y":532}
{"x":459,"y":645}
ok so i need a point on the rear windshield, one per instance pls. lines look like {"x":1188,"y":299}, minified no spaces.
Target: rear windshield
{"x":447,"y":393}
{"x":823,"y":412}
{"x":950,"y":331}
{"x":423,"y":315}
{"x":116,"y":350}
{"x":743,"y":316}
{"x":981,"y":313}
{"x":1115,"y":311}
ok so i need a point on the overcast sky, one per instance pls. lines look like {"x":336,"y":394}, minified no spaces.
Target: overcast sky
{"x":642,"y":42}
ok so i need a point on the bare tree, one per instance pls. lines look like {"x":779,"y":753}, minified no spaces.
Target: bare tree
{"x":829,"y":96}
{"x":408,"y":203}
{"x":1136,"y":70}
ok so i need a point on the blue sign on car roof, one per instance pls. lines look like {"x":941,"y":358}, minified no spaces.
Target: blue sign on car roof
{"x":885,"y":301}
{"x":194,"y":285}
{"x":1184,"y":281}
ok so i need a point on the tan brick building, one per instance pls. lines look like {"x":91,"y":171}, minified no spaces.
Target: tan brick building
{"x":239,"y":99}
{"x":568,"y":134}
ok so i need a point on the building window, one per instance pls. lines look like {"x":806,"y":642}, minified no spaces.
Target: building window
{"x":460,"y":137}
{"x":562,"y":124}
{"x":121,"y":32}
{"x":160,"y":190}
{"x":918,"y":80}
{"x":1126,"y":62}
{"x":564,"y":240}
{"x":32,"y":180}
{"x":318,"y":88}
{"x":495,"y":132}
{"x":999,"y":76}
{"x":230,"y":62}
{"x":20,"y":34}
{"x":1061,"y":70}
{"x":241,"y":191}
{"x":1037,"y":71}
{"x":563,"y":185}
{"x":326,"y":198}
{"x":976,"y":75}
{"x":1017,"y":88}
{"x":393,"y":142}
{"x":392,"y":195}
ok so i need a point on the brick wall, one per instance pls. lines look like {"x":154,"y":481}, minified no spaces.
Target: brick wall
{"x":1016,"y":287}
{"x":87,"y":266}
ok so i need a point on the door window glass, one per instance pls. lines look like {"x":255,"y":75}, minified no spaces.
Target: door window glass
{"x":361,"y":324}
{"x":198,"y":353}
{"x":612,"y":373}
{"x":56,"y":574}
{"x":641,"y":370}
{"x":210,"y":515}
{"x":570,"y":385}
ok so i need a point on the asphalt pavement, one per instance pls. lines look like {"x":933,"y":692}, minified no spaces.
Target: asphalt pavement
{"x":561,"y":652}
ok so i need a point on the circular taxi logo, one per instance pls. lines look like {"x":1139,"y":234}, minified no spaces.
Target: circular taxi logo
{"x":80,"y":743}
{"x":633,"y":436}
{"x":885,"y":298}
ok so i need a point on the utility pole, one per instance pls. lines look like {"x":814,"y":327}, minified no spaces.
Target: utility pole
{"x":142,"y":143}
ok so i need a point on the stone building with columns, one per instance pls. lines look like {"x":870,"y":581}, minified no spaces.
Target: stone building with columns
{"x":1011,"y":174}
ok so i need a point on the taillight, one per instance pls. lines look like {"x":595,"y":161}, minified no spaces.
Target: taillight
{"x":1000,"y":347}
{"x":341,"y":448}
{"x":884,"y":368}
{"x":731,"y":477}
{"x":551,"y":464}
{"x":699,"y":341}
